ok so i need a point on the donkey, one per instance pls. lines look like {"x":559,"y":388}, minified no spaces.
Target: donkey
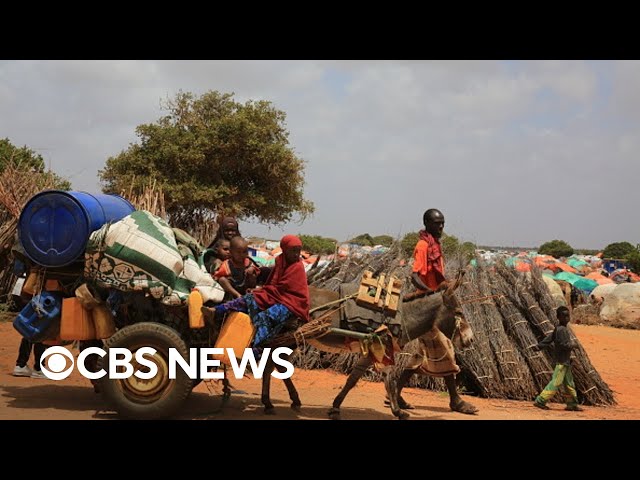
{"x":441,"y":310}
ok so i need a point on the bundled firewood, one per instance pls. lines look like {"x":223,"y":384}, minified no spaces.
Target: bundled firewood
{"x":509,"y":376}
{"x":149,"y":197}
{"x":17,"y":186}
{"x":591,"y":388}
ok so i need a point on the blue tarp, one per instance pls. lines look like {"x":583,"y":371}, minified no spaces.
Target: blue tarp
{"x":576,"y":262}
{"x":581,"y":283}
{"x":612,"y":264}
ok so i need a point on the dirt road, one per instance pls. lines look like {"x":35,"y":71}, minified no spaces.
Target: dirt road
{"x":614,"y":352}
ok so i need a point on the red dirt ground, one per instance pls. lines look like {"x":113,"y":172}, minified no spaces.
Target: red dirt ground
{"x":614,"y":352}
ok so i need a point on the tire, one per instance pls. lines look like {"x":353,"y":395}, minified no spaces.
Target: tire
{"x":159,"y":397}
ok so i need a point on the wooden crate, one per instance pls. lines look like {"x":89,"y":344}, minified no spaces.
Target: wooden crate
{"x":379,"y":293}
{"x":392,"y":299}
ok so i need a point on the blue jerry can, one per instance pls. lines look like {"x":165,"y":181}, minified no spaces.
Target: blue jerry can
{"x":38,"y":315}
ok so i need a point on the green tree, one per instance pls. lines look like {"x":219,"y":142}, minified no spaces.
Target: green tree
{"x":408,"y":243}
{"x":212,"y":154}
{"x":556,"y":248}
{"x":364,"y":240}
{"x":384,"y":240}
{"x":28,"y":160}
{"x":618,"y":250}
{"x":633,"y":260}
{"x":318,"y":245}
{"x":451,"y":246}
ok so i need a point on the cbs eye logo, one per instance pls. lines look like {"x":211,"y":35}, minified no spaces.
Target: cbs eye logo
{"x":57,"y":362}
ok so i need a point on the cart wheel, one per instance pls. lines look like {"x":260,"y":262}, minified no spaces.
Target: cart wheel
{"x":158,"y":397}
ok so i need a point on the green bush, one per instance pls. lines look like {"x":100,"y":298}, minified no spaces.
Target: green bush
{"x":318,"y":245}
{"x":408,"y":243}
{"x":618,"y":250}
{"x":364,"y":240}
{"x":384,"y":240}
{"x":451,"y":246}
{"x":556,"y":248}
{"x":633,"y":260}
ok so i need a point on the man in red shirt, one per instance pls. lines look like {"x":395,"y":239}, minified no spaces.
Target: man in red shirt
{"x":428,"y":261}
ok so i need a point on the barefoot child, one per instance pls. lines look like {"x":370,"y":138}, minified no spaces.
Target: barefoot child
{"x":562,"y":379}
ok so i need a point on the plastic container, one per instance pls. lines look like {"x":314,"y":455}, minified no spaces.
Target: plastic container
{"x":76,"y":322}
{"x":196,"y":318}
{"x":52,"y":285}
{"x":54,"y":226}
{"x":237,"y":333}
{"x":103,"y":321}
{"x":32,"y":283}
{"x":37,"y":317}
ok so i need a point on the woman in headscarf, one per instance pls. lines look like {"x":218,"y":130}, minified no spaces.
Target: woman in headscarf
{"x":228,"y":229}
{"x":285,"y":294}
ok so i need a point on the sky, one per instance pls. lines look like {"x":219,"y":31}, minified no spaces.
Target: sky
{"x":514,"y":153}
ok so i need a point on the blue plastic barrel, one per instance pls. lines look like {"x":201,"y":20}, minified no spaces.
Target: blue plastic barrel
{"x":35,"y":319}
{"x":54,"y":226}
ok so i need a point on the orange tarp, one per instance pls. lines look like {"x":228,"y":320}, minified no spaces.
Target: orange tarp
{"x":598,"y":277}
{"x":545,"y":261}
{"x":565,"y":268}
{"x":553,"y":264}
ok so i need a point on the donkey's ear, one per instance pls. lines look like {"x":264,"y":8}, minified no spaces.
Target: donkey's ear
{"x":458,"y":281}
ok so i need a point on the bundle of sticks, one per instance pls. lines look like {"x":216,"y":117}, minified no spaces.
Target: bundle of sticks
{"x":313,"y":329}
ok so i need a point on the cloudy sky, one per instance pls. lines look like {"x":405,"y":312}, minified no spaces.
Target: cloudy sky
{"x":513,"y":153}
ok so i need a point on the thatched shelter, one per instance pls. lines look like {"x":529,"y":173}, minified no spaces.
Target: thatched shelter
{"x":509,"y":313}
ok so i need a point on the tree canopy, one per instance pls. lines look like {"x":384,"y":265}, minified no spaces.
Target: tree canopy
{"x":618,"y":250}
{"x":450,"y":246}
{"x":556,"y":248}
{"x":367,"y":240}
{"x":408,"y":243}
{"x":384,"y":240}
{"x":364,"y":240}
{"x":212,"y":154}
{"x":633,"y":260}
{"x":26,"y":159}
{"x":317,"y":244}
